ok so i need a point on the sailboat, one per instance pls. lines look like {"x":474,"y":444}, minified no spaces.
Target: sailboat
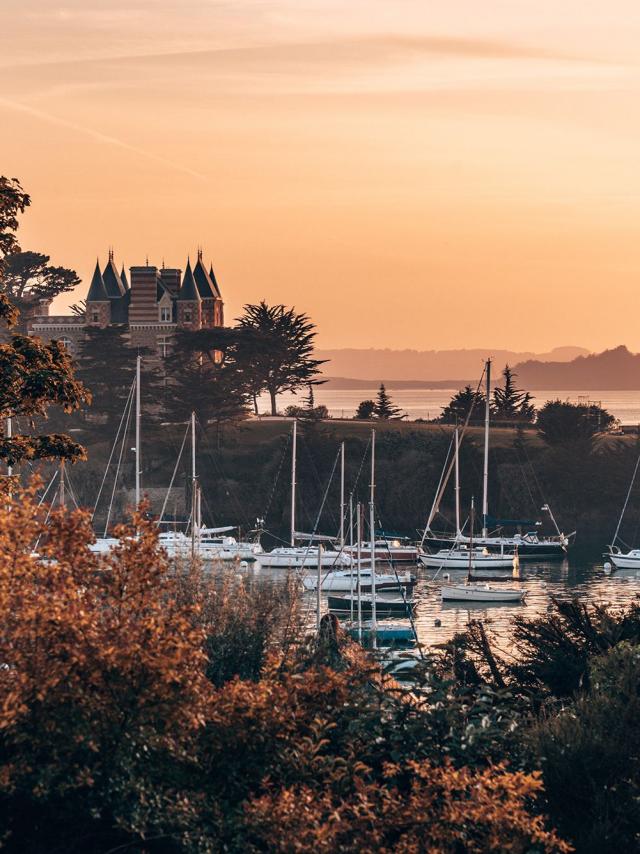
{"x":105,"y":544}
{"x":631,"y":558}
{"x":479,"y":591}
{"x":460,"y":555}
{"x":530,"y":546}
{"x":301,"y":557}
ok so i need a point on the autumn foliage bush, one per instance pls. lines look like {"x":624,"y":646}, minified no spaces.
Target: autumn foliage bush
{"x":120,"y":728}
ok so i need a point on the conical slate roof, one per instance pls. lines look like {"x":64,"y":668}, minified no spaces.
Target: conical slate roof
{"x":97,"y":290}
{"x":189,"y":290}
{"x":123,"y":279}
{"x":112,"y":281}
{"x":214,"y":282}
{"x":205,"y":286}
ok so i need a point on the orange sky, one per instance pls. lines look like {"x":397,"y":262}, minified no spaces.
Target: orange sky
{"x":411,"y":174}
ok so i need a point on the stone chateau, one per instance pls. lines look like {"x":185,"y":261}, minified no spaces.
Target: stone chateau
{"x":158,"y":301}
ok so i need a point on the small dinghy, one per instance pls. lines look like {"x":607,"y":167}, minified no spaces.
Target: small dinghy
{"x":391,"y":606}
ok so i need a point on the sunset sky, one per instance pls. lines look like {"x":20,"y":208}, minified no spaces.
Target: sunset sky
{"x":432,"y":175}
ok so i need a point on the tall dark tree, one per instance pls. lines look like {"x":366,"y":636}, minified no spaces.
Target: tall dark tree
{"x":33,"y":375}
{"x":509,"y":402}
{"x":29,"y":278}
{"x":563,"y":423}
{"x":384,"y":408}
{"x":107,"y":365}
{"x":463,"y":402}
{"x":283,"y":349}
{"x":215,"y":391}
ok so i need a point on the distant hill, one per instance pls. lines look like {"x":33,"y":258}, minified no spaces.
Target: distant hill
{"x":422,"y":365}
{"x":612,"y":370}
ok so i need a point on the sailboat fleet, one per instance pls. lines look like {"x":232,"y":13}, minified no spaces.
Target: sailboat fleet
{"x":368,"y":578}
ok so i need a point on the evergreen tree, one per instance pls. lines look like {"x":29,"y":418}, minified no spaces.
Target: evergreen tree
{"x":509,"y":402}
{"x":384,"y":408}
{"x":461,"y":404}
{"x":282,"y":350}
{"x":215,"y":391}
{"x":563,"y":423}
{"x":107,"y":366}
{"x":28,"y":278}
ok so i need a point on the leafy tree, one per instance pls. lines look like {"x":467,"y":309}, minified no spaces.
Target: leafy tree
{"x":384,"y":408}
{"x":366,"y":410}
{"x":561,"y":423}
{"x":510,"y":403}
{"x":33,"y":375}
{"x":283,"y":349}
{"x":461,"y":404}
{"x":29,"y":278}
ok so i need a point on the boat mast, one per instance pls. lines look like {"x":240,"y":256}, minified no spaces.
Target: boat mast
{"x":138,"y":448}
{"x":457,"y":488}
{"x":294,"y":449}
{"x":9,"y":435}
{"x":62,"y":499}
{"x":471,"y":524}
{"x":485,"y":474}
{"x":194,"y":486}
{"x":372,"y":525}
{"x":342,"y":496}
{"x":358,"y":564}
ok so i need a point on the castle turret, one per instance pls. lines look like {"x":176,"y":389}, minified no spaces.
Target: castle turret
{"x":112,"y":281}
{"x":206,"y":291}
{"x":218,"y":311}
{"x":189,"y":303}
{"x":98,"y":302}
{"x":123,"y":279}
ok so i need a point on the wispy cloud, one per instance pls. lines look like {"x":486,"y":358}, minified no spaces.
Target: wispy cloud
{"x":106,"y":139}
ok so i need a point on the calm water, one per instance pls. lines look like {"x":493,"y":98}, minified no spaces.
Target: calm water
{"x":428,"y":403}
{"x":572,"y":578}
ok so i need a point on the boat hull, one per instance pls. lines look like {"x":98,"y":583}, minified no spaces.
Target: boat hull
{"x":482,"y":593}
{"x":478,"y":562}
{"x":544,"y":550}
{"x":388,"y":607}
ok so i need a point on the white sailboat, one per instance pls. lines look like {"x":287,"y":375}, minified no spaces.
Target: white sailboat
{"x":621,"y":559}
{"x":530,"y":546}
{"x":300,"y":557}
{"x":461,"y":555}
{"x":479,"y":591}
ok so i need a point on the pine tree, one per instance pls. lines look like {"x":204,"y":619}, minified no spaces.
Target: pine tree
{"x":461,"y":404}
{"x":365,"y":410}
{"x":384,"y":408}
{"x":509,"y":402}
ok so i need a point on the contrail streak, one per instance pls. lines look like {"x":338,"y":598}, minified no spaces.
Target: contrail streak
{"x":16,"y":106}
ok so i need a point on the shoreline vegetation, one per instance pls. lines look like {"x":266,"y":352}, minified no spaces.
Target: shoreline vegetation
{"x":147,"y":706}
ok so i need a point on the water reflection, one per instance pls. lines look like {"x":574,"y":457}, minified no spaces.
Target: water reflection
{"x":577,"y":577}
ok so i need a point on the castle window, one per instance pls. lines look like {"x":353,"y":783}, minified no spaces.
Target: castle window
{"x":188,"y":315}
{"x":95,"y":317}
{"x":165,"y":314}
{"x":164,"y":342}
{"x":67,"y":343}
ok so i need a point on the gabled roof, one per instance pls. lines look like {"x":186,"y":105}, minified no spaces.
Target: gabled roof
{"x":123,"y":279}
{"x":162,"y":291}
{"x":214,"y":282}
{"x":97,"y":290}
{"x":204,"y":283}
{"x":189,"y":290}
{"x":112,"y":280}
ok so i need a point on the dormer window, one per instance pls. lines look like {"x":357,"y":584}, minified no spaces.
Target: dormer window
{"x":165,"y":314}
